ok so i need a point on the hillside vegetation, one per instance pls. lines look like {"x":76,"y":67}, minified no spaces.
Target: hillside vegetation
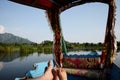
{"x":47,"y":46}
{"x":9,"y":38}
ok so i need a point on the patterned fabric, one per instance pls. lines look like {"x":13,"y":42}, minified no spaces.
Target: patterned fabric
{"x":81,"y":63}
{"x":90,"y":74}
{"x":53,"y":16}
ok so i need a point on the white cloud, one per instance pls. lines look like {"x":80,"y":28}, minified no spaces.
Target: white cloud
{"x":2,"y":29}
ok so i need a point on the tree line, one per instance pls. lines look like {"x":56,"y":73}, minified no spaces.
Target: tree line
{"x":46,"y":47}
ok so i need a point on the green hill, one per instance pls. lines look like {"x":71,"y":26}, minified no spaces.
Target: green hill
{"x":10,"y":38}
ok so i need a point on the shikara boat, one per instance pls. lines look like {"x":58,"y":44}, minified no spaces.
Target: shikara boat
{"x":98,"y":67}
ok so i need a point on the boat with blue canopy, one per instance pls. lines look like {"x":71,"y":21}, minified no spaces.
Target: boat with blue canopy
{"x":98,"y":67}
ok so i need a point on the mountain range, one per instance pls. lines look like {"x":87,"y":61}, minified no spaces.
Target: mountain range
{"x":11,"y":38}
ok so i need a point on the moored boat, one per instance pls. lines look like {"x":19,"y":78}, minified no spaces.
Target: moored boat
{"x":101,"y":66}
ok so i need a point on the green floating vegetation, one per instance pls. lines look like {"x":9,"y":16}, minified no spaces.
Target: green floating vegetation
{"x":47,"y":47}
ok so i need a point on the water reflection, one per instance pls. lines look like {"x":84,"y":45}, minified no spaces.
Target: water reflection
{"x":6,"y":57}
{"x":117,"y":60}
{"x":1,"y":65}
{"x":17,"y":64}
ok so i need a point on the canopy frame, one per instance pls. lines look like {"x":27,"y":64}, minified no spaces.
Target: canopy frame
{"x":55,"y":7}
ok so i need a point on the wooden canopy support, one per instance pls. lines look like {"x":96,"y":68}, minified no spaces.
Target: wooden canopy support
{"x":53,"y":17}
{"x":110,"y":44}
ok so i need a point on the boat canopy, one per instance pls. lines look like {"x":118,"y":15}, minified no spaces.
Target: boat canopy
{"x":57,"y":4}
{"x":55,"y":7}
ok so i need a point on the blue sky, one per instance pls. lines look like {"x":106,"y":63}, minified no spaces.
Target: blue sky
{"x":84,"y":23}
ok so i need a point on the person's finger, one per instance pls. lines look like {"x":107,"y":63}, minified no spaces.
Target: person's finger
{"x":48,"y":67}
{"x":45,"y":69}
{"x":62,"y":74}
{"x":54,"y":71}
{"x":49,"y":64}
{"x":60,"y":70}
{"x":48,"y":75}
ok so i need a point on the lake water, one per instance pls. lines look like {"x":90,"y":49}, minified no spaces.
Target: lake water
{"x":17,"y":64}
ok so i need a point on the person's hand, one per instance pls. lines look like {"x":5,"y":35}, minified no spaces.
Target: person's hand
{"x":59,"y":74}
{"x":62,"y":74}
{"x":48,"y":72}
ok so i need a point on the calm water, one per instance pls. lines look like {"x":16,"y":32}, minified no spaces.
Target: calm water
{"x":17,"y":64}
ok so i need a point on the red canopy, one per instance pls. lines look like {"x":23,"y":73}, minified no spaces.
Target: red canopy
{"x":43,"y":4}
{"x":54,"y":4}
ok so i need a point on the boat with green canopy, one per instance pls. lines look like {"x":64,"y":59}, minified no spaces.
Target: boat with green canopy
{"x":100,"y":66}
